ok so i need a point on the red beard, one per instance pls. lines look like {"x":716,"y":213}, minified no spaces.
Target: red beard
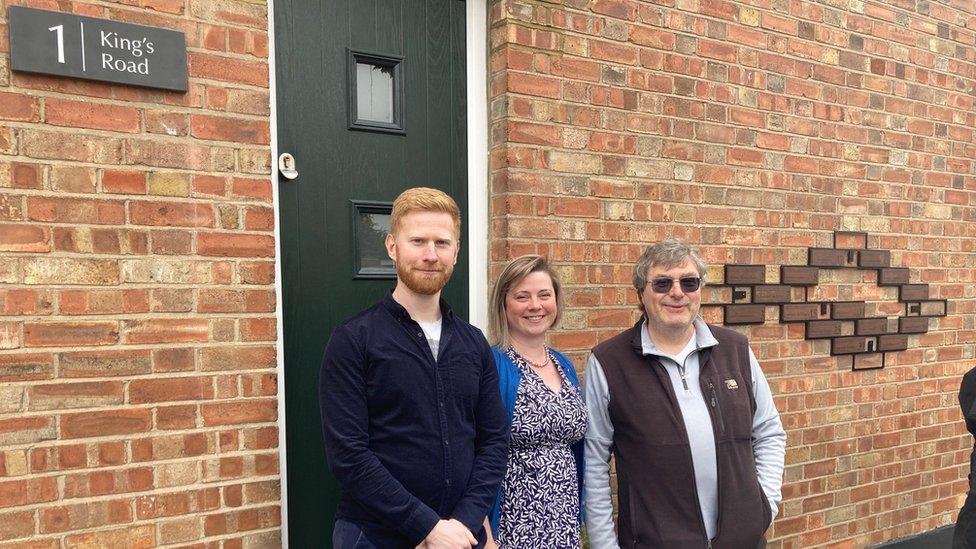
{"x":424,"y":283}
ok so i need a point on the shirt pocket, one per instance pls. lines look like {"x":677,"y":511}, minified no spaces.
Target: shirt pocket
{"x":733,"y":396}
{"x":465,"y":375}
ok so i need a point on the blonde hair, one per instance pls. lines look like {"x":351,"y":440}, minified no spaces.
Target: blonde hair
{"x":424,"y":199}
{"x":512,"y":274}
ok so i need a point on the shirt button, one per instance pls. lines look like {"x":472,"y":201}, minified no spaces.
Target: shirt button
{"x":448,"y":481}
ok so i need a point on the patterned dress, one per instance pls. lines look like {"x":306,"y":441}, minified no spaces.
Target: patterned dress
{"x":540,"y":497}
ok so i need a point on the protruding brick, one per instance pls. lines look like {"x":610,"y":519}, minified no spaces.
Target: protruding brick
{"x":84,"y":114}
{"x":234,"y":413}
{"x":142,"y":391}
{"x":58,"y":396}
{"x":105,"y":363}
{"x":26,"y":430}
{"x":136,"y":537}
{"x":24,"y":238}
{"x":70,"y":334}
{"x":63,"y":270}
{"x":123,"y":182}
{"x":238,"y":357}
{"x":172,"y":214}
{"x":235,"y":245}
{"x":19,"y":107}
{"x":166,"y":330}
{"x":105,"y":423}
{"x":26,"y":367}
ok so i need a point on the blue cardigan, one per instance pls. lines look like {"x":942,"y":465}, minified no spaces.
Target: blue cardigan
{"x":509,"y":377}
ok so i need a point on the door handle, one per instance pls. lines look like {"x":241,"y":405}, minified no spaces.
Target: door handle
{"x":286,"y":166}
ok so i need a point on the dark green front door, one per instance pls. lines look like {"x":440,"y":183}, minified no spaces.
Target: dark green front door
{"x":371,"y":101}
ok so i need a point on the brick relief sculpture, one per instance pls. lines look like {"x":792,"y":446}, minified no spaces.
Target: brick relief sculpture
{"x":846,"y":324}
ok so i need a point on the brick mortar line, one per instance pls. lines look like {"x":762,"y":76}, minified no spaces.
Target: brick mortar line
{"x":140,"y":434}
{"x":149,"y":406}
{"x":126,"y":380}
{"x":887,"y":200}
{"x":852,"y":488}
{"x":235,"y":535}
{"x":60,"y":536}
{"x":133,"y":227}
{"x":135,"y":286}
{"x":140,"y":10}
{"x":209,"y":431}
{"x":704,"y":224}
{"x":149,"y":376}
{"x":110,"y":526}
{"x":818,"y":139}
{"x":141,"y":106}
{"x":736,"y":167}
{"x":138,"y":228}
{"x":131,"y":286}
{"x":42,"y":127}
{"x":123,"y":469}
{"x":633,"y":180}
{"x":149,"y":315}
{"x":195,"y":374}
{"x":138,"y":198}
{"x":155,"y":138}
{"x":231,"y":536}
{"x":152,"y":464}
{"x":134,"y":464}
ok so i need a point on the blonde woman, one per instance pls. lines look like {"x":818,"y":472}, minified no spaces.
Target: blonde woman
{"x":539,"y":503}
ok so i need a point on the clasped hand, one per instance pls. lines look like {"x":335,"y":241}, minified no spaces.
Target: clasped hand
{"x":449,"y":534}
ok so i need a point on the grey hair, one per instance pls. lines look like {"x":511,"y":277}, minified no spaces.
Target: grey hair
{"x":668,"y":254}
{"x":512,"y":274}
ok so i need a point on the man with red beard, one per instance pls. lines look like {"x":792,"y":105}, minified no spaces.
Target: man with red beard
{"x":412,"y":419}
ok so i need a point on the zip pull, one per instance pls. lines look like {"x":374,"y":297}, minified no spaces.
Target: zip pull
{"x":718,"y":410}
{"x":684,"y":376}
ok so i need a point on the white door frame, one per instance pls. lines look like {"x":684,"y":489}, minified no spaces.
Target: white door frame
{"x":476,"y":39}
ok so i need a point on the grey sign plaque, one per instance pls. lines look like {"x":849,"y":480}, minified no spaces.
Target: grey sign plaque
{"x":66,"y":44}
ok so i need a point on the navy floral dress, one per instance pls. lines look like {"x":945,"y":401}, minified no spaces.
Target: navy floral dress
{"x":540,"y":494}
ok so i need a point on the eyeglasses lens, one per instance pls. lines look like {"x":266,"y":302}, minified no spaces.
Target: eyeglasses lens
{"x":688,"y":284}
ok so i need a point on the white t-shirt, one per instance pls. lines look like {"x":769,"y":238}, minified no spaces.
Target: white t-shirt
{"x":432,"y":331}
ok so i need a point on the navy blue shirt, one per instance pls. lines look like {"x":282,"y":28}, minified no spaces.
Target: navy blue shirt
{"x":411,"y":439}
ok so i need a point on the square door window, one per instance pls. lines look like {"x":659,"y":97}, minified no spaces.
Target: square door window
{"x":371,"y":224}
{"x":375,"y":92}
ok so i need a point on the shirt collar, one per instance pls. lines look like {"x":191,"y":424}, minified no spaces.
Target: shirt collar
{"x":703,"y":338}
{"x":399,"y":312}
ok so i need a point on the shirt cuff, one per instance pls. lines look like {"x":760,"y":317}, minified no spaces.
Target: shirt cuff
{"x":420,"y":523}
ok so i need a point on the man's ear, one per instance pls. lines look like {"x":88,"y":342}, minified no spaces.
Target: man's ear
{"x":391,"y":246}
{"x":457,"y":251}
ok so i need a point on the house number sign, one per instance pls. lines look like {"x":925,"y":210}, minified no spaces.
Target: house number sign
{"x":65,"y":44}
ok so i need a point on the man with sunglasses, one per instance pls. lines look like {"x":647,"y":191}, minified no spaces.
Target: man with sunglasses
{"x":689,"y":418}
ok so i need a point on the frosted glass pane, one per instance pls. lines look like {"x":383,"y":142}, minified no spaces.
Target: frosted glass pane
{"x":374,"y":93}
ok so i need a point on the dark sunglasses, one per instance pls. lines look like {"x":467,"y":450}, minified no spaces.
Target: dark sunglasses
{"x":687,"y":284}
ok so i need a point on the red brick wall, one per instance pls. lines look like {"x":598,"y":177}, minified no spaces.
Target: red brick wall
{"x":756,"y":129}
{"x":137,"y":361}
